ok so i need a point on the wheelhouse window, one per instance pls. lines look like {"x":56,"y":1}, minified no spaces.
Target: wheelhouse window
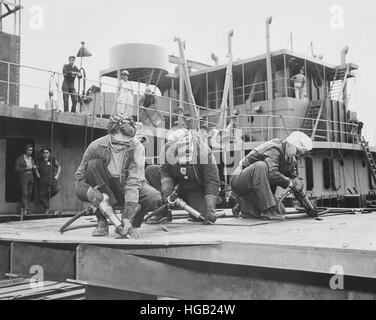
{"x":328,"y":173}
{"x":309,"y":173}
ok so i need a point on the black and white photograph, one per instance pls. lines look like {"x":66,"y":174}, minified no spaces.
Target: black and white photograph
{"x":187,"y":154}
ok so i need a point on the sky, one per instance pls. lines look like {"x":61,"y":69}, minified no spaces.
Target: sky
{"x":52,"y":30}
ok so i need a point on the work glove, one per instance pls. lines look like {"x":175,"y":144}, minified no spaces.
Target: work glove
{"x":94,"y":196}
{"x":167,"y":187}
{"x":130,"y":213}
{"x":210,"y":216}
{"x":297,"y":185}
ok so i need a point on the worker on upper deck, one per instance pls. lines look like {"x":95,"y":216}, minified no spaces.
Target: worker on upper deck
{"x":270,"y":165}
{"x":115,"y":165}
{"x":70,"y":72}
{"x":299,"y":83}
{"x":125,"y":95}
{"x":149,"y":115}
{"x":188,"y":162}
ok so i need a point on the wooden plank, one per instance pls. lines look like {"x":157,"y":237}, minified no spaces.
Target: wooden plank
{"x":4,"y":259}
{"x":25,"y":286}
{"x":192,"y":281}
{"x":30,"y":292}
{"x":56,"y":264}
{"x":73,"y":294}
{"x":320,"y":260}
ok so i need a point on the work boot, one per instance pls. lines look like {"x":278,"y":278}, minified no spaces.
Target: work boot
{"x":102,"y":227}
{"x":131,"y":210}
{"x":163,"y":217}
{"x":272,"y":214}
{"x":134,"y":234}
{"x":236,"y":212}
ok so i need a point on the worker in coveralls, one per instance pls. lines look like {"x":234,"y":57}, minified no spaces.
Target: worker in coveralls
{"x":189,"y":163}
{"x":115,"y":165}
{"x":48,"y":172}
{"x":270,"y":165}
{"x":70,"y":72}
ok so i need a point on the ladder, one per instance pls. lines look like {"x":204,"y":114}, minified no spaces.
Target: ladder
{"x":339,"y":83}
{"x":315,"y":113}
{"x":370,"y":160}
{"x":313,"y":118}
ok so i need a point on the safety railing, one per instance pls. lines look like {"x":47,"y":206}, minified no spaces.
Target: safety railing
{"x":95,"y":98}
{"x":265,"y":127}
{"x":99,"y":99}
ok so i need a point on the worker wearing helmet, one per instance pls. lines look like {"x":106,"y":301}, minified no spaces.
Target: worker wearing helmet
{"x":114,"y":165}
{"x":270,"y":165}
{"x":188,"y":162}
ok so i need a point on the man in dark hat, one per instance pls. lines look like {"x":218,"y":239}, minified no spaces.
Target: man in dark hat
{"x":70,"y":72}
{"x":25,"y":167}
{"x":48,"y":172}
{"x":114,"y":165}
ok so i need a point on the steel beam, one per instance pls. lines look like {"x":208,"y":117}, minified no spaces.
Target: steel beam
{"x":198,"y":281}
{"x":354,"y":263}
{"x":57,"y":264}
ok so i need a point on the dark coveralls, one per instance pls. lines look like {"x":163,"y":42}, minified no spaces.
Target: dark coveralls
{"x":196,"y":180}
{"x":263,"y":170}
{"x":150,"y":115}
{"x":48,"y":186}
{"x":26,"y":178}
{"x":131,"y":186}
{"x":68,"y":87}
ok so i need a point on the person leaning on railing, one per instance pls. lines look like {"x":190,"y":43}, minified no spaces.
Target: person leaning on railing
{"x":148,"y":112}
{"x":70,"y":72}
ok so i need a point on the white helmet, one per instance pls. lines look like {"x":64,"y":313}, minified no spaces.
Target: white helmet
{"x":300,"y":140}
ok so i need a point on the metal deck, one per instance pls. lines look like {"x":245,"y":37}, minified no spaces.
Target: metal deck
{"x":233,"y":259}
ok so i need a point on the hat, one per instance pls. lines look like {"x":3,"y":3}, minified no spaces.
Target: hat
{"x":125,"y":72}
{"x":300,"y":140}
{"x":44,"y":148}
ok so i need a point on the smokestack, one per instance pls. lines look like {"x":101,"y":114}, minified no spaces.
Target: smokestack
{"x":269,"y":75}
{"x":215,"y":59}
{"x":344,"y":52}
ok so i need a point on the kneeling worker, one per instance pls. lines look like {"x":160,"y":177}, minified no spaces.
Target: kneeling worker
{"x":189,"y":163}
{"x":270,"y":165}
{"x":115,"y":165}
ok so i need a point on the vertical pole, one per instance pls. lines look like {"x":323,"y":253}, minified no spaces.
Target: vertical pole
{"x":181,"y":96}
{"x":1,"y":22}
{"x":8,"y":88}
{"x":207,"y":89}
{"x":269,"y":75}
{"x":285,"y":75}
{"x":292,"y":42}
{"x":243,"y":82}
{"x":101,"y":94}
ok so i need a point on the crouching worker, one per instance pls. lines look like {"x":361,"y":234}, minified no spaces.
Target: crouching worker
{"x":112,"y":172}
{"x":189,"y":163}
{"x":270,"y":165}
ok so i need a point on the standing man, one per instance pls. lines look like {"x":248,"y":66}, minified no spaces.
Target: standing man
{"x":125,"y":95}
{"x":25,"y":166}
{"x":70,"y":72}
{"x":114,"y":166}
{"x":189,"y":163}
{"x":48,"y":172}
{"x":270,"y":165}
{"x":299,"y":83}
